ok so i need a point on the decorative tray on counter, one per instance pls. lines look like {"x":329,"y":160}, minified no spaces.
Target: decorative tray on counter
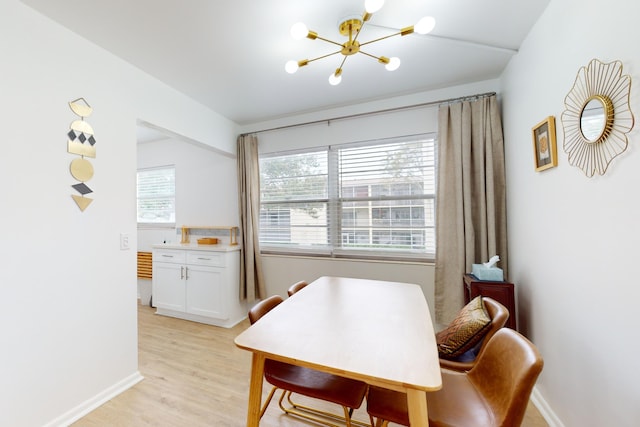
{"x":208,"y":241}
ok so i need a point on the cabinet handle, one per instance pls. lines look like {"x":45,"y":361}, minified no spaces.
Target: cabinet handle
{"x":181,"y":272}
{"x":167,"y":256}
{"x":186,"y":273}
{"x":205,"y":259}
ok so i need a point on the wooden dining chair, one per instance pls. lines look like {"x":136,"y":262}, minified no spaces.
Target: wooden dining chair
{"x":346,"y":392}
{"x":499,"y":315}
{"x":296,"y":287}
{"x":494,"y":393}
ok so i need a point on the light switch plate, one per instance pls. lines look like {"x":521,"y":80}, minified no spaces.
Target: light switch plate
{"x":124,"y":241}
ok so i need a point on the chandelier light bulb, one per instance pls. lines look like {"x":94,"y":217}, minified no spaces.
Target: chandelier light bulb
{"x":393,"y":64}
{"x":291,"y":66}
{"x":425,"y":25}
{"x":299,"y":31}
{"x":335,"y":80}
{"x":372,"y":6}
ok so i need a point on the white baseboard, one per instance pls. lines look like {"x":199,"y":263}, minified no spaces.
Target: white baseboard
{"x":545,"y":410}
{"x":89,"y":405}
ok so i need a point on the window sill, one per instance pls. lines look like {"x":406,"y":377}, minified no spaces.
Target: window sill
{"x":156,"y":225}
{"x":383,"y":258}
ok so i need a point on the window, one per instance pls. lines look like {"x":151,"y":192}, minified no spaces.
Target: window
{"x":157,"y":196}
{"x":372,"y":199}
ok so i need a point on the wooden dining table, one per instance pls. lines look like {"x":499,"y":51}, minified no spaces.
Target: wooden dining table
{"x":376,"y":331}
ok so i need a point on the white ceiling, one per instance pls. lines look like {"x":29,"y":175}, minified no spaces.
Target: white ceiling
{"x":230,"y":55}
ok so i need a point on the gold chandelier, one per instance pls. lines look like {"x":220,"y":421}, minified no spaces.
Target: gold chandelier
{"x":351,"y":28}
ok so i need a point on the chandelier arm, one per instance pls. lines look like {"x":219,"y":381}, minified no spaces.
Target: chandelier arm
{"x":329,"y":41}
{"x":381,"y":38}
{"x":359,"y":30}
{"x":344,"y":59}
{"x":373,"y":56}
{"x":357,"y":33}
{"x":323,"y":56}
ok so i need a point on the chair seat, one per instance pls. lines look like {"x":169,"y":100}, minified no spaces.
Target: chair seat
{"x":443,"y":405}
{"x":320,"y":385}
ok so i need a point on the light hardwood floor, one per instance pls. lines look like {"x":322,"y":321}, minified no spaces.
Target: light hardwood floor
{"x":195,"y":376}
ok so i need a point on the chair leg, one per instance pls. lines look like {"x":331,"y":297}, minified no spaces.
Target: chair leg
{"x":347,"y":416}
{"x":266,"y":402}
{"x":317,"y":415}
{"x":380,"y":422}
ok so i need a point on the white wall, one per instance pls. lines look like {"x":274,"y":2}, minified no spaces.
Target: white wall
{"x":68,"y":311}
{"x":282,"y":272}
{"x":573,"y":240}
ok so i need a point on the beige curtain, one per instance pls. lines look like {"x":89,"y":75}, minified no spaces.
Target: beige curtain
{"x":251,"y":276}
{"x":471,"y":198}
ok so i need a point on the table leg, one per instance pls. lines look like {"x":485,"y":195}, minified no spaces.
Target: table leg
{"x":417,"y":405}
{"x":255,"y":390}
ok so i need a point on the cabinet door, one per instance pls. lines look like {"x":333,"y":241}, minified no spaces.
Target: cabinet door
{"x":206,"y":291}
{"x":168,"y":286}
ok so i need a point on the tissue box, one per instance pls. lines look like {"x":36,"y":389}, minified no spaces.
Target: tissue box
{"x":484,"y":273}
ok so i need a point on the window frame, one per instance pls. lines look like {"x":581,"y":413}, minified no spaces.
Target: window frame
{"x":338,"y":232}
{"x":150,"y":224}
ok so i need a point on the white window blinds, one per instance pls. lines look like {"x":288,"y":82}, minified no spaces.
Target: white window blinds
{"x":156,"y":195}
{"x":371,"y":199}
{"x":294,"y":201}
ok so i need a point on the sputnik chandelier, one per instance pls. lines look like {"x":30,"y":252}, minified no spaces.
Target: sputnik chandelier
{"x":351,"y":28}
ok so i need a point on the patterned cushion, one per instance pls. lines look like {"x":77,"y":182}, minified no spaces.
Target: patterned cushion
{"x":465,"y":331}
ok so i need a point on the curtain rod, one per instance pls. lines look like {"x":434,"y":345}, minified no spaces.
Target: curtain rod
{"x":370,"y":113}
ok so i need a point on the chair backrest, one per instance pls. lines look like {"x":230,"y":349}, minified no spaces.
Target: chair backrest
{"x":263,"y":307}
{"x":499,"y":314}
{"x":505,"y":374}
{"x":296,"y":287}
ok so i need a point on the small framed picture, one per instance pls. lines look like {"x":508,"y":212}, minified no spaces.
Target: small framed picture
{"x":544,"y":144}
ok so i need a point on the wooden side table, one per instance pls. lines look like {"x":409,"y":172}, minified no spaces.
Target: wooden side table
{"x":502,"y":292}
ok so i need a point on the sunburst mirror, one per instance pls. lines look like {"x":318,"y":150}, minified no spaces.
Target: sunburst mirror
{"x":597,"y":116}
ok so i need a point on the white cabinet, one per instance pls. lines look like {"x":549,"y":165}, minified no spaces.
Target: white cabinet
{"x":198,"y":284}
{"x":168,"y":288}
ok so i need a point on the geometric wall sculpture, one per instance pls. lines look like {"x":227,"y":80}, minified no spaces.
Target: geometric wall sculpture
{"x":82,"y":143}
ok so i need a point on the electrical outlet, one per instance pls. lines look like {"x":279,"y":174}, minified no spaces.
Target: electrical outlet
{"x":124,"y":241}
